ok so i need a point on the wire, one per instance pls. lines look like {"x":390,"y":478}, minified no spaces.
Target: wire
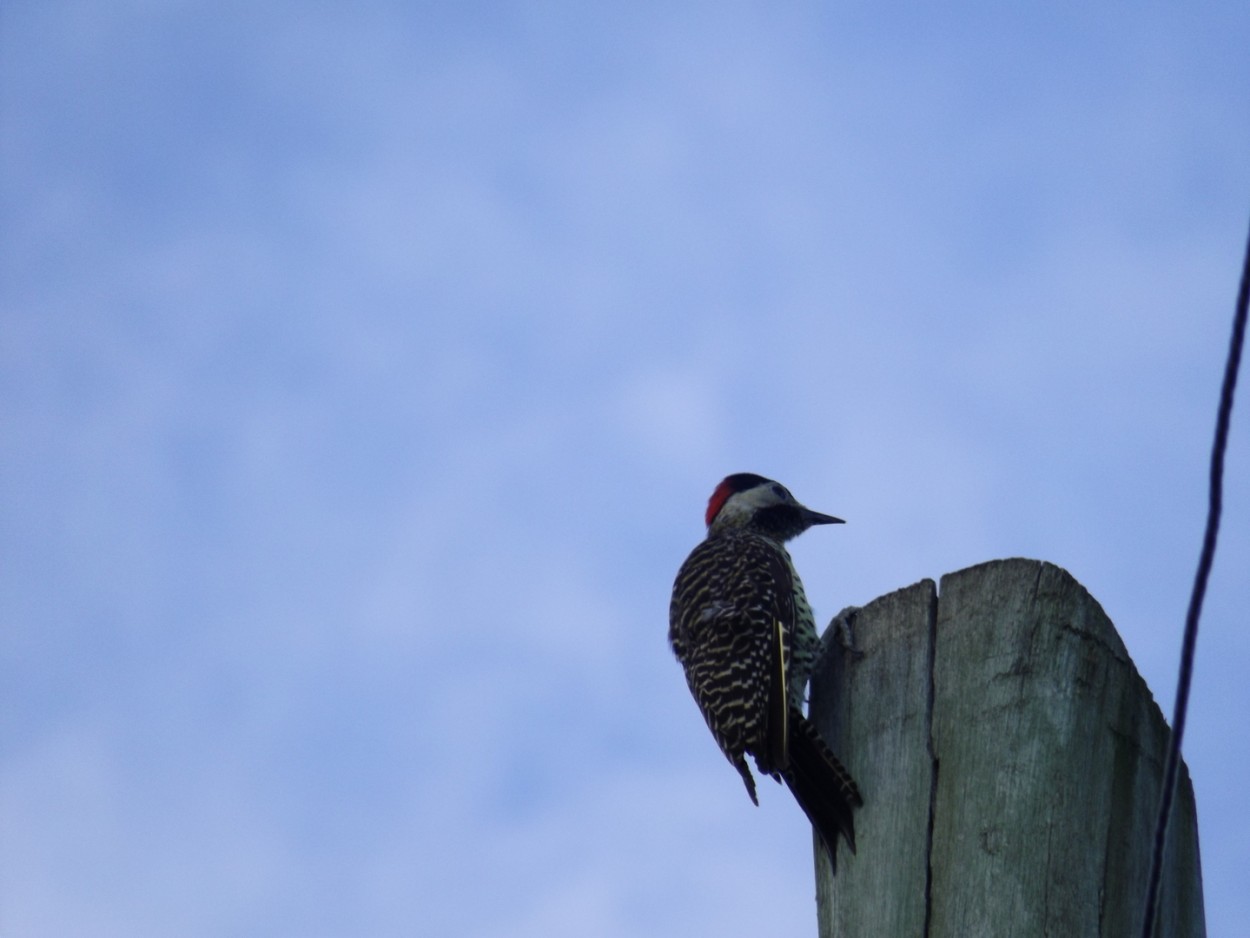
{"x":1214,"y":507}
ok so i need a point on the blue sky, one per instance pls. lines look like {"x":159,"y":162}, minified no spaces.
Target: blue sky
{"x":364,"y":373}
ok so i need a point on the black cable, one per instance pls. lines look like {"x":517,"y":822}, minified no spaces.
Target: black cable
{"x":1214,"y":506}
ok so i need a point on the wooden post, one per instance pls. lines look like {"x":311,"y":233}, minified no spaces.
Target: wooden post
{"x":1010,"y":758}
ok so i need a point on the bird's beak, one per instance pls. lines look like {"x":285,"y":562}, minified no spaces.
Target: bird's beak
{"x":815,"y":517}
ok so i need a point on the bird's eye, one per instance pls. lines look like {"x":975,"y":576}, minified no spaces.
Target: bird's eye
{"x":779,"y":491}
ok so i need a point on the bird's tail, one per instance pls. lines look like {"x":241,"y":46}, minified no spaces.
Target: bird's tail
{"x":821,"y":785}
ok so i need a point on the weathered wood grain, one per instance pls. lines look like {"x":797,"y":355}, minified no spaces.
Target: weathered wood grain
{"x":1010,"y":758}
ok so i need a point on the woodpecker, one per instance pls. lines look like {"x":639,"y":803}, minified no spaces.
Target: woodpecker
{"x":741,"y":627}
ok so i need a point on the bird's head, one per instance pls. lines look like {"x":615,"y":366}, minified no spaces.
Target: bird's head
{"x":746,"y":500}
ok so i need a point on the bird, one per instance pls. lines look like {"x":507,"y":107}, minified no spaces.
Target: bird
{"x":741,"y":628}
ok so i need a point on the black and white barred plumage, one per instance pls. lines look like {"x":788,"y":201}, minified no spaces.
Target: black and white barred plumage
{"x":742,"y":629}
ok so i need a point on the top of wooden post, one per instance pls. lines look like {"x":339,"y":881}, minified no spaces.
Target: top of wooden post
{"x":1010,"y":758}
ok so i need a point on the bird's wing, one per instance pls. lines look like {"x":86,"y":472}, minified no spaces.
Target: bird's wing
{"x":778,"y":701}
{"x":730,"y":624}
